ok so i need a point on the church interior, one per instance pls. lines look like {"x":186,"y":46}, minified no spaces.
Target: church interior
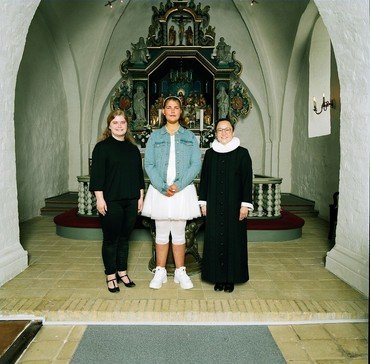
{"x":290,"y":75}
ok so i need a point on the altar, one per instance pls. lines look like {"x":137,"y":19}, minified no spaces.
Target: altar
{"x":181,"y":56}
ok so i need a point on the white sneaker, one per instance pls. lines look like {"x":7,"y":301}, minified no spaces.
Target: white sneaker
{"x":182,"y":278}
{"x":159,"y":278}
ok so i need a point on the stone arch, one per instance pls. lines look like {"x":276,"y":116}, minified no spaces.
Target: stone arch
{"x":268,"y":110}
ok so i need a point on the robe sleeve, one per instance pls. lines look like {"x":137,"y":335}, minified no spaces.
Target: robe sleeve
{"x":151,"y":168}
{"x":247,"y":177}
{"x":195,"y":166}
{"x":140,"y":170}
{"x":97,"y":178}
{"x":204,"y":178}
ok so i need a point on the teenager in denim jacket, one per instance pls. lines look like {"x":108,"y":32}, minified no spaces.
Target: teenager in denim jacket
{"x":172,"y":161}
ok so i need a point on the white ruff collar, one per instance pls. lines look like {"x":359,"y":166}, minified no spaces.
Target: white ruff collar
{"x":225,"y":148}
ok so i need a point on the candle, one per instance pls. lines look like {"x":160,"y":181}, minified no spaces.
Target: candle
{"x":159,"y":117}
{"x":314,"y":102}
{"x":323,"y":98}
{"x":201,"y":116}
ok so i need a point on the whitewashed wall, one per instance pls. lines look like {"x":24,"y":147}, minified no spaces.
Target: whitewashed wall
{"x":41,"y":125}
{"x":315,"y":161}
{"x":347,"y":22}
{"x":15,"y":17}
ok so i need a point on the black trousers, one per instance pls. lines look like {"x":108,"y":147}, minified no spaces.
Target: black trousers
{"x":117,"y":225}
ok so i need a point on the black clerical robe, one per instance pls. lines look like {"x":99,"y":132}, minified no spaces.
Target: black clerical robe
{"x":226,"y":182}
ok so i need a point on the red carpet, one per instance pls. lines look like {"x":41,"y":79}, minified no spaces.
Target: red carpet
{"x":286,"y":222}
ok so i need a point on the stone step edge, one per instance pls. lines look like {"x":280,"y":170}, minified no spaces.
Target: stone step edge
{"x":188,"y":310}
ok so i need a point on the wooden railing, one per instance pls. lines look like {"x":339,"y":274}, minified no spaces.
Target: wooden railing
{"x":266,"y":197}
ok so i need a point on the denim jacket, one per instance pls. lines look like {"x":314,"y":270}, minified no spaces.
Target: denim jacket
{"x":157,"y":152}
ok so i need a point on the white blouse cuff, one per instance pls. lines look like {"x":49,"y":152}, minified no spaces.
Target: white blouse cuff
{"x":249,"y":205}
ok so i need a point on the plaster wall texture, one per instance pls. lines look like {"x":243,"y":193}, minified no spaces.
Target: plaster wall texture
{"x":41,"y":127}
{"x":14,"y":22}
{"x":251,"y":134}
{"x":348,"y":25}
{"x":82,"y":32}
{"x":319,"y":80}
{"x":83,"y":23}
{"x":307,"y":21}
{"x":278,"y":70}
{"x":315,"y":161}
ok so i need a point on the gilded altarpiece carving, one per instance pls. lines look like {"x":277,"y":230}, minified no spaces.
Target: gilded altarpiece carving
{"x":180,"y":56}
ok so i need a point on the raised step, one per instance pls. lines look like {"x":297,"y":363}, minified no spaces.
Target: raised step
{"x":72,"y":226}
{"x":289,"y":202}
{"x":298,"y":205}
{"x":59,"y":204}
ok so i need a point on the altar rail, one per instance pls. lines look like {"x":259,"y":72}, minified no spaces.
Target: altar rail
{"x":266,"y":197}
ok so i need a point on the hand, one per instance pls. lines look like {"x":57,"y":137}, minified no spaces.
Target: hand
{"x":243,"y":213}
{"x":203,"y":209}
{"x":169,"y":192}
{"x":173,"y":188}
{"x":140,"y":204}
{"x":101,"y":206}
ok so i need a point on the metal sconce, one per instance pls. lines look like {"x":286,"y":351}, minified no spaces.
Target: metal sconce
{"x":324,"y":105}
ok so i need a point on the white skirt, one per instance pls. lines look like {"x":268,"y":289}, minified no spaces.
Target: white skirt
{"x":182,"y":205}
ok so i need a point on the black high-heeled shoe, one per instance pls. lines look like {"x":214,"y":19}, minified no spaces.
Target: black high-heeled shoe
{"x":115,"y":288}
{"x":229,"y":287}
{"x":130,"y":282}
{"x":219,"y":286}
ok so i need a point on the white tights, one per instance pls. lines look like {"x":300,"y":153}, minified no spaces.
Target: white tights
{"x":165,"y":227}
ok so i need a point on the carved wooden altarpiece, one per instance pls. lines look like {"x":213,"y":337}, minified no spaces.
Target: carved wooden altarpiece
{"x":180,"y":57}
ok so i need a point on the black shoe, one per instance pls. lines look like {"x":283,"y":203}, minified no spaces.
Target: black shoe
{"x":130,"y":282}
{"x":115,"y":288}
{"x":219,"y":286}
{"x":229,"y":287}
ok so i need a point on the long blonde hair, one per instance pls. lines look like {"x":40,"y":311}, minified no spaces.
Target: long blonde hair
{"x":107,"y":132}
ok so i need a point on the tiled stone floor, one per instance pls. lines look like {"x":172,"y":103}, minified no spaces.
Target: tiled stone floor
{"x":289,"y":285}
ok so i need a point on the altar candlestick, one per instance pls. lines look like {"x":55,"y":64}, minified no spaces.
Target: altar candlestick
{"x":201,"y":116}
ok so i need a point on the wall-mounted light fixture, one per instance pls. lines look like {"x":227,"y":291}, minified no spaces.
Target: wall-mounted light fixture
{"x":324,"y":105}
{"x":110,"y":3}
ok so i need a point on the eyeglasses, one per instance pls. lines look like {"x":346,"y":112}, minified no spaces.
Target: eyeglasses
{"x":226,"y":130}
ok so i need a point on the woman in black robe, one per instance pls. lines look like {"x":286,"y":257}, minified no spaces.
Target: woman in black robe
{"x":225,"y":197}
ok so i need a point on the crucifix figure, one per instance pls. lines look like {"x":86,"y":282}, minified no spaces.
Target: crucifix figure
{"x":181,"y":21}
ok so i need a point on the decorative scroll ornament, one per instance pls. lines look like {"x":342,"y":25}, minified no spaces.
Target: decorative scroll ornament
{"x":240,"y":102}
